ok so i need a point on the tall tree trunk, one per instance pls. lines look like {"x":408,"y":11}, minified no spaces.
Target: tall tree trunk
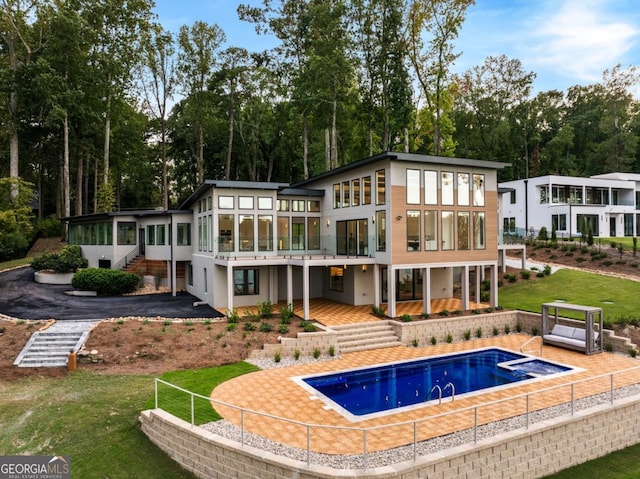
{"x":107,"y":138}
{"x":66,"y":187}
{"x":305,"y":146}
{"x":334,"y":134}
{"x":200,"y":154}
{"x":79,"y":176}
{"x":95,"y":187}
{"x":370,"y":142}
{"x":165,"y":181}
{"x":227,"y":173}
{"x":327,"y":149}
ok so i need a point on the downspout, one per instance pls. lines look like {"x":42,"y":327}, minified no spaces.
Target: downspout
{"x":172,"y":266}
{"x":526,"y":207}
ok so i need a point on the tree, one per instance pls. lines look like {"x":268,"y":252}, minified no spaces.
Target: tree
{"x":439,"y":22}
{"x":197,"y":60}
{"x":15,"y":216}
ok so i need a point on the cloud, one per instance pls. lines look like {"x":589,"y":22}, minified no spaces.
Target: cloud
{"x":580,"y":38}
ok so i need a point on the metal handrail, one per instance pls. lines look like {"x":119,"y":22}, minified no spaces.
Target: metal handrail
{"x":127,"y":258}
{"x":530,"y":340}
{"x":365,"y":430}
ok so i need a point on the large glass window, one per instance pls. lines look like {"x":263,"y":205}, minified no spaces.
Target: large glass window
{"x":245,"y":228}
{"x":297,"y":205}
{"x":313,"y":227}
{"x":431,"y":230}
{"x":588,"y":221}
{"x":336,"y":279}
{"x":446,"y":185}
{"x":413,"y":187}
{"x":283,"y":205}
{"x":575,"y":195}
{"x":265,"y":203}
{"x":628,"y":224}
{"x":298,"y":236}
{"x":463,"y":230}
{"x":353,"y":237}
{"x":478,"y":190}
{"x":346,"y":193}
{"x":559,"y":222}
{"x":199,"y":233}
{"x":366,"y":190}
{"x":245,"y":202}
{"x":430,"y":187}
{"x":225,"y":233}
{"x":184,"y":234}
{"x":463,"y":189}
{"x":413,"y":230}
{"x":283,"y":233}
{"x":265,"y":233}
{"x":225,"y":202}
{"x":479,"y":240}
{"x":210,"y":232}
{"x":126,"y":233}
{"x":337,"y":196}
{"x":543,"y":194}
{"x":313,"y":206}
{"x":355,"y":192}
{"x":381,"y":230}
{"x":160,"y":234}
{"x":151,"y":235}
{"x":246,"y":282}
{"x":381,"y":192}
{"x":447,"y":230}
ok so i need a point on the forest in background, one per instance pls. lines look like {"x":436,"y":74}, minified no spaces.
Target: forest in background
{"x":103,"y":109}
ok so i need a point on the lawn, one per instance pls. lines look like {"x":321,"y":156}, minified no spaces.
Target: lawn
{"x":94,"y":419}
{"x":611,"y":294}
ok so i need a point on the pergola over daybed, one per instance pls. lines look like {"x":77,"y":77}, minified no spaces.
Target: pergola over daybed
{"x":585,"y":337}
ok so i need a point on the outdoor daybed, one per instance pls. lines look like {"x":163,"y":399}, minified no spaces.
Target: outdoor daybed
{"x":585,"y":336}
{"x":568,"y":337}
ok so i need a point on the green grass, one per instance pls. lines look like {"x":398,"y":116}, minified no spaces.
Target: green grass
{"x":622,"y":464}
{"x":15,"y":263}
{"x":199,"y":381}
{"x":576,"y":287}
{"x":94,"y":419}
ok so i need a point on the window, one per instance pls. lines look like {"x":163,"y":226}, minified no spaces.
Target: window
{"x":225,"y":232}
{"x":297,"y":205}
{"x":543,"y":194}
{"x":512,"y":197}
{"x":479,"y":241}
{"x":509,"y":225}
{"x":381,"y":231}
{"x":313,"y":206}
{"x":297,"y":233}
{"x":245,"y":282}
{"x":225,"y":202}
{"x":628,"y":224}
{"x":355,"y":192}
{"x":160,"y":234}
{"x":446,"y":183}
{"x":245,"y":202}
{"x":199,"y":233}
{"x":190,"y":274}
{"x":336,"y":279}
{"x":413,"y":230}
{"x":558,"y":194}
{"x":352,"y":237}
{"x":245,"y":229}
{"x":430,"y":187}
{"x":447,"y":230}
{"x":283,"y":205}
{"x":346,"y":194}
{"x":210,"y":232}
{"x":151,"y":234}
{"x":463,"y":230}
{"x":126,"y":233}
{"x":184,"y":234}
{"x":430,"y":230}
{"x":337,"y":196}
{"x":478,"y":190}
{"x":209,"y":203}
{"x":283,"y":233}
{"x":265,"y":233}
{"x":313,"y":226}
{"x":366,"y":190}
{"x":380,"y":188}
{"x":463,"y":189}
{"x":586,"y":222}
{"x":413,"y":187}
{"x":559,"y":222}
{"x":265,"y":203}
{"x":575,"y":195}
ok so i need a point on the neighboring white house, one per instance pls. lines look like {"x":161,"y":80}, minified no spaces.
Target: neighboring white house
{"x":393,"y":227}
{"x":609,"y":204}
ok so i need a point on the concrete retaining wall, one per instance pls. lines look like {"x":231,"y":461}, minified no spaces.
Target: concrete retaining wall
{"x":547,"y":447}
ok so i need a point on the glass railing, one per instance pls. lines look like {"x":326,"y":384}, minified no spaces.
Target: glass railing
{"x":297,"y":245}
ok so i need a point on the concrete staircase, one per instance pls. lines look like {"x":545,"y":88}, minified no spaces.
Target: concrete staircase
{"x":364,"y":336}
{"x":51,"y":347}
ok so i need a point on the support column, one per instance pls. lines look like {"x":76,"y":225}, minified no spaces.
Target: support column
{"x":523,"y":257}
{"x":229,"y":288}
{"x":305,"y":291}
{"x":376,"y":285}
{"x":171,"y":264}
{"x":391,"y":291}
{"x":478,"y":283}
{"x":494,"y":285}
{"x":289,"y":285}
{"x":464,"y":286}
{"x":426,"y":290}
{"x":502,"y":257}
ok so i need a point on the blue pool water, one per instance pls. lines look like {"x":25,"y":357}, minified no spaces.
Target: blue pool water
{"x":391,"y":386}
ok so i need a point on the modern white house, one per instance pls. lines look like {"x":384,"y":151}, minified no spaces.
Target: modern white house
{"x":609,"y":204}
{"x":389,"y":228}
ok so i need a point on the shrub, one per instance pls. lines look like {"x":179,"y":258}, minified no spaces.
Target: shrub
{"x":286,"y":314}
{"x":479,"y":333}
{"x":433,"y":340}
{"x":232,"y":327}
{"x":425,"y":315}
{"x":249,"y":326}
{"x":633,"y":352}
{"x":542,"y":234}
{"x":457,"y":312}
{"x":377,"y":311}
{"x":332,"y":350}
{"x":539,"y":274}
{"x":69,"y":260}
{"x":507,"y":329}
{"x":406,"y":318}
{"x":449,"y":338}
{"x":310,"y":328}
{"x":296,"y":354}
{"x":518,"y":328}
{"x":415,"y":342}
{"x":50,"y":227}
{"x":467,"y":335}
{"x":580,"y":259}
{"x":265,"y":309}
{"x":525,"y":274}
{"x":444,"y":312}
{"x":486,"y":285}
{"x":266,"y":328}
{"x":277,"y":357}
{"x":105,"y":282}
{"x":316,"y":353}
{"x":547,"y":270}
{"x":534,"y":331}
{"x":496,"y":331}
{"x":233,"y":316}
{"x":283,"y":328}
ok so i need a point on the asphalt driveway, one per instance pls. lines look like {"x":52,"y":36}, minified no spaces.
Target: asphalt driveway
{"x":21,"y":297}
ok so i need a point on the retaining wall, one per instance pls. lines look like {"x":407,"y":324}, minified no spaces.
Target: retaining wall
{"x":547,"y":447}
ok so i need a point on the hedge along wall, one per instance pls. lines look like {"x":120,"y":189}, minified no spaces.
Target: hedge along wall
{"x":547,"y":447}
{"x":423,"y":330}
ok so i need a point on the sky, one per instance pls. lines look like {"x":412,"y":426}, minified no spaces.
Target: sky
{"x":565,"y":42}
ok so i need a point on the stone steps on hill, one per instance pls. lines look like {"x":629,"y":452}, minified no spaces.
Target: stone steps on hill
{"x":365,"y":336}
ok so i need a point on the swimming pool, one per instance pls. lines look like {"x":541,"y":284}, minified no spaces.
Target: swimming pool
{"x":361,"y":392}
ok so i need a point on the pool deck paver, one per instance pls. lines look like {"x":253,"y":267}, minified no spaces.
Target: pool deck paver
{"x":273,"y":392}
